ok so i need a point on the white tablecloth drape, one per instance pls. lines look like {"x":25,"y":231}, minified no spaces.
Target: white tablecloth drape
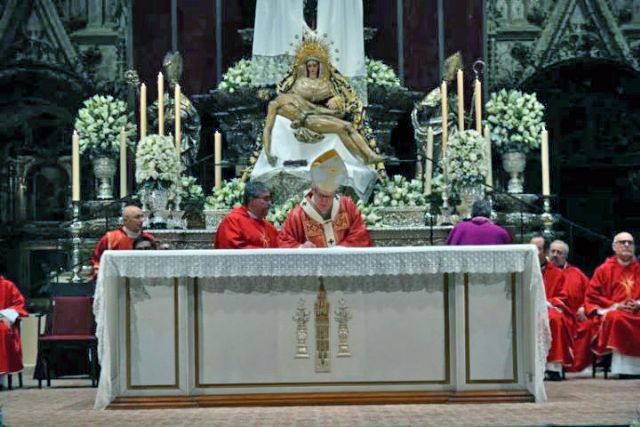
{"x":276,"y":270}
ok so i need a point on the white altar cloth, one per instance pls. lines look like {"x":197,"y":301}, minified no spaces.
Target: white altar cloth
{"x":275,"y":270}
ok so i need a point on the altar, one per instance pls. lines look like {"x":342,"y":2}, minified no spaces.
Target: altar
{"x":320,"y":326}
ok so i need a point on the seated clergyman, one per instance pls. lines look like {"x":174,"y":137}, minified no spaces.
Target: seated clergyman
{"x":324,"y":218}
{"x":246,"y":226}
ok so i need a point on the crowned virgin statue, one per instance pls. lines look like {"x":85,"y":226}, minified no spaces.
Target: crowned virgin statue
{"x":317,"y":110}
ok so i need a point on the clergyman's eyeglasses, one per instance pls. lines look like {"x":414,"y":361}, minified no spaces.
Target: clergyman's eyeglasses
{"x":625,"y":242}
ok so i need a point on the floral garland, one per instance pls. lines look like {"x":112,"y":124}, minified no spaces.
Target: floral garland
{"x":229,"y":195}
{"x":157,"y":162}
{"x":99,"y":123}
{"x":370,"y":214}
{"x":515,"y":119}
{"x":239,"y":75}
{"x":278,"y":214}
{"x":398,"y":192}
{"x":188,"y":193}
{"x":466,"y":162}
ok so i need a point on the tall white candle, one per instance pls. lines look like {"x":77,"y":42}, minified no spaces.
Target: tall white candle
{"x":489,"y":176}
{"x":429,"y":162}
{"x":478,"y":99}
{"x":217,"y":157}
{"x":75,"y":167}
{"x":445,"y":117}
{"x":177,"y":100}
{"x":544,"y":153}
{"x":460,"y":79}
{"x":143,"y":110}
{"x":160,"y":104}
{"x":123,"y":163}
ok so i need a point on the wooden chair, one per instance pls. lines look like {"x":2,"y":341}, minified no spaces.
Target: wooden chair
{"x":70,"y":328}
{"x":603,"y":362}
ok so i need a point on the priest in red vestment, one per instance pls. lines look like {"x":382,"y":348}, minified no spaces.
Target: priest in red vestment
{"x":614,"y":295}
{"x":246,"y":226}
{"x":11,"y":307}
{"x":121,"y":238}
{"x":324,"y":218}
{"x":560,"y":321}
{"x":570,"y":287}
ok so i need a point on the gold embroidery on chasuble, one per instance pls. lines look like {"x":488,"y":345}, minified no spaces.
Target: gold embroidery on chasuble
{"x":341,"y":222}
{"x":628,"y":284}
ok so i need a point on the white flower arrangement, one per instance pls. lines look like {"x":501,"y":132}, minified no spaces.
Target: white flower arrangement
{"x":157,"y":162}
{"x":229,"y":195}
{"x":466,"y":159}
{"x":99,"y":123}
{"x":515,"y":120}
{"x":380,"y":74}
{"x":278,"y":214}
{"x":189,"y":189}
{"x":370,"y":214}
{"x":398,"y":192}
{"x":239,"y":75}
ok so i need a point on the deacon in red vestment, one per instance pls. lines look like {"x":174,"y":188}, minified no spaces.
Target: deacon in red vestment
{"x":568,"y":291}
{"x":323,"y":218}
{"x":614,"y":294}
{"x":246,"y":226}
{"x":121,"y":238}
{"x":11,"y":307}
{"x":560,"y":321}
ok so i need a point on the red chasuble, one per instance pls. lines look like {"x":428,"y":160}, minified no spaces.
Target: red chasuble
{"x":345,"y":227}
{"x":560,"y":319}
{"x":613,"y":283}
{"x":10,"y":347}
{"x":240,"y":230}
{"x":112,"y":240}
{"x":574,"y":283}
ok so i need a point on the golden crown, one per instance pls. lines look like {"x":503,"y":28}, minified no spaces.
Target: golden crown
{"x":312,"y":48}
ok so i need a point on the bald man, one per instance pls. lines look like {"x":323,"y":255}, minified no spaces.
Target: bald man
{"x":559,"y":318}
{"x":613,"y":297}
{"x":121,"y":238}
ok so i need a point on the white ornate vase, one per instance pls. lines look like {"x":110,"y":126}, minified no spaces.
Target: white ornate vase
{"x":104,"y":168}
{"x":157,"y":200}
{"x":514,"y":163}
{"x":468,"y":194}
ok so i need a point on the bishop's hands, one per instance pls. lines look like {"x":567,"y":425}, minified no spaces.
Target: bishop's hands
{"x":308,"y":244}
{"x":6,"y":321}
{"x":630,"y":306}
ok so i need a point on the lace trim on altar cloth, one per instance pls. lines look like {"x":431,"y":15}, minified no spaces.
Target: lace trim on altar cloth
{"x":269,"y":70}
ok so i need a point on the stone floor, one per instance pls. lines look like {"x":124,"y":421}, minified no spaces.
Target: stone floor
{"x":577,"y":401}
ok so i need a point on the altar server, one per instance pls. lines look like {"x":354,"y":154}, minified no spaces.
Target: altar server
{"x":246,"y":226}
{"x":613,"y":297}
{"x":324,"y":218}
{"x":121,"y":238}
{"x":11,"y":307}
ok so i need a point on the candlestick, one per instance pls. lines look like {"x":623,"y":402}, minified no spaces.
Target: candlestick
{"x":160,"y":104}
{"x":460,"y":79}
{"x":143,"y":111}
{"x":489,"y":176}
{"x":429,"y":163}
{"x":123,"y":163}
{"x":217,"y":157}
{"x":177,"y":100}
{"x":75,"y":167}
{"x":76,"y":241}
{"x":478,"y":98}
{"x":445,"y":117}
{"x":544,"y":153}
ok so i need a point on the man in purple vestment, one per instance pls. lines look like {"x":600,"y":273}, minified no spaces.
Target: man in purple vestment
{"x":479,"y":230}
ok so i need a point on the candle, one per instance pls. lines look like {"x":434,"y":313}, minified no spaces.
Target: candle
{"x":544,"y":153}
{"x":429,"y":166}
{"x":123,"y":163}
{"x":478,"y":98}
{"x":160,"y":104}
{"x":217,"y":157}
{"x":460,"y":101}
{"x":445,"y":117}
{"x":489,"y":176}
{"x":177,"y":100}
{"x":75,"y":167}
{"x":143,"y":111}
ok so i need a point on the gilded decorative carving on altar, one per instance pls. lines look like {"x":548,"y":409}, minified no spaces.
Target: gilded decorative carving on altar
{"x":301,"y":318}
{"x":321,"y":311}
{"x":343,"y":315}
